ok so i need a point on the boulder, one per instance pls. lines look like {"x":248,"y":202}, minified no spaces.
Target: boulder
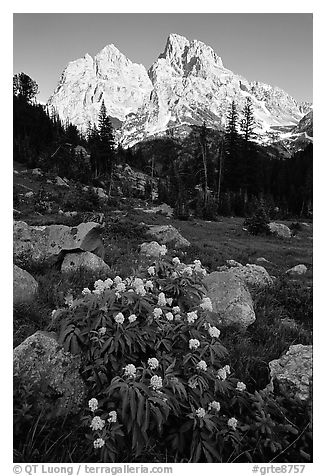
{"x":293,"y":371}
{"x":280,"y":230}
{"x":84,"y":260}
{"x":38,"y":172}
{"x":230,"y":298}
{"x":262,"y":260}
{"x":167,"y":234}
{"x":297,"y":270}
{"x":48,"y":244}
{"x":152,"y":249}
{"x":253,"y":275}
{"x":233,"y":264}
{"x":41,"y":360}
{"x":29,"y":194}
{"x":25,"y":286}
{"x":61,"y":182}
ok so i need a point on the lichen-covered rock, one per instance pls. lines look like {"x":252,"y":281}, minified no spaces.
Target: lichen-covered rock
{"x":40,"y":360}
{"x":230,"y":298}
{"x":153,"y":249}
{"x":293,"y":371}
{"x":280,"y":230}
{"x":167,"y":234}
{"x":84,"y":260}
{"x":297,"y":270}
{"x":47,"y":244}
{"x":25,"y":286}
{"x":253,"y":275}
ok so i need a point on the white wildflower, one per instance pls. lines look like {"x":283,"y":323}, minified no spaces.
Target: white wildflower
{"x":214,"y":406}
{"x":232,"y":423}
{"x":99,"y":285}
{"x":119,"y":318}
{"x":102,"y":331}
{"x":151,"y":270}
{"x":169,"y":301}
{"x":241,"y":386}
{"x":113,"y":416}
{"x":130,"y":370}
{"x":214,"y":332}
{"x":140,"y":290}
{"x":132,"y":318}
{"x":176,"y":261}
{"x":93,"y":404}
{"x":156,"y":382}
{"x":138,"y":282}
{"x":192,"y":316}
{"x":153,"y":363}
{"x":206,"y":304}
{"x":121,"y":287}
{"x":98,"y":443}
{"x":157,"y":312}
{"x":161,"y":300}
{"x":194,"y":343}
{"x":221,"y":374}
{"x":200,"y":413}
{"x":108,"y":283}
{"x":187,"y":271}
{"x":117,"y":280}
{"x":176,"y":309}
{"x":202,"y":365}
{"x":97,"y":292}
{"x":163,"y":250}
{"x":86,"y":291}
{"x":97,"y":423}
{"x":197,"y":262}
{"x":227,"y":369}
{"x":149,"y":284}
{"x":174,"y":275}
{"x":169,"y":316}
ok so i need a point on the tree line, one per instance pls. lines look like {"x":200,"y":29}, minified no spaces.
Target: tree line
{"x":210,"y":171}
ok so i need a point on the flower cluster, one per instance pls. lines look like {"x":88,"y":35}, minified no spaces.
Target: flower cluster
{"x":194,"y":344}
{"x":119,"y":318}
{"x":132,"y":318}
{"x":214,"y":405}
{"x":192,"y":316}
{"x":241,"y":386}
{"x":202,"y":365}
{"x":223,"y":372}
{"x":130,"y":370}
{"x":112,"y":416}
{"x":206,"y":304}
{"x":156,"y":382}
{"x":232,"y":423}
{"x":161,"y":300}
{"x":200,"y":413}
{"x":98,"y":443}
{"x":214,"y":332}
{"x":157,"y":312}
{"x":153,"y":363}
{"x":97,"y":423}
{"x":93,"y":404}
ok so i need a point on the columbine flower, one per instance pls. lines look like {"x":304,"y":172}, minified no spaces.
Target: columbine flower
{"x":93,"y":404}
{"x":153,"y":363}
{"x":117,"y":280}
{"x":130,"y":370}
{"x":206,"y":304}
{"x":151,"y":270}
{"x":169,"y":316}
{"x":97,"y":423}
{"x":102,"y":331}
{"x":176,"y":261}
{"x":86,"y":291}
{"x":98,"y":443}
{"x":194,"y":343}
{"x":132,"y":318}
{"x":113,"y":416}
{"x":232,"y":423}
{"x":161,"y":299}
{"x":221,"y":373}
{"x":202,"y":365}
{"x":214,"y":332}
{"x":156,"y":382}
{"x":157,"y":312}
{"x":119,"y":318}
{"x":200,"y":413}
{"x":169,"y":301}
{"x":121,"y":287}
{"x":214,"y":406}
{"x":241,"y":386}
{"x":176,"y":309}
{"x":192,"y":316}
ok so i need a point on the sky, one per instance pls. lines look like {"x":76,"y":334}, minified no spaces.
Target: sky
{"x":275,"y":48}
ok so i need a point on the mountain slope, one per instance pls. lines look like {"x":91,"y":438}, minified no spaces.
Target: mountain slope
{"x":188,"y":84}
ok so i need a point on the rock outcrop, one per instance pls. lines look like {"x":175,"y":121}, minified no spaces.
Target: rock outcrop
{"x":253,"y":275}
{"x":297,"y":270}
{"x":25,"y":286}
{"x":168,"y":235}
{"x":153,"y":249}
{"x":293,"y":371}
{"x":84,"y":260}
{"x":280,"y":230}
{"x":54,"y":373}
{"x":231,"y":299}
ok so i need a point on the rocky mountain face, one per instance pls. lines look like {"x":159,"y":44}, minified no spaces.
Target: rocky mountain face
{"x":188,"y":84}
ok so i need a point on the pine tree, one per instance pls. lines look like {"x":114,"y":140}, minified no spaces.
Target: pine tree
{"x":232,"y":167}
{"x":24,"y":87}
{"x":101,"y":141}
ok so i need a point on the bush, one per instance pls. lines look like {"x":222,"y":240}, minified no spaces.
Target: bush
{"x":81,"y":200}
{"x":258,"y":223}
{"x":158,"y":375}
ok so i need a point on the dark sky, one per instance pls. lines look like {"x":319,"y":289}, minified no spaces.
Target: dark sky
{"x":275,"y":48}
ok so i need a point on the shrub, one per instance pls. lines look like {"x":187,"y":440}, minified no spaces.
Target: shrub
{"x":81,"y":200}
{"x":158,"y":374}
{"x":258,"y":222}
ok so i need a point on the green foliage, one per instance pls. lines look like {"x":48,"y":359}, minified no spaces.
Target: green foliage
{"x":81,"y":200}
